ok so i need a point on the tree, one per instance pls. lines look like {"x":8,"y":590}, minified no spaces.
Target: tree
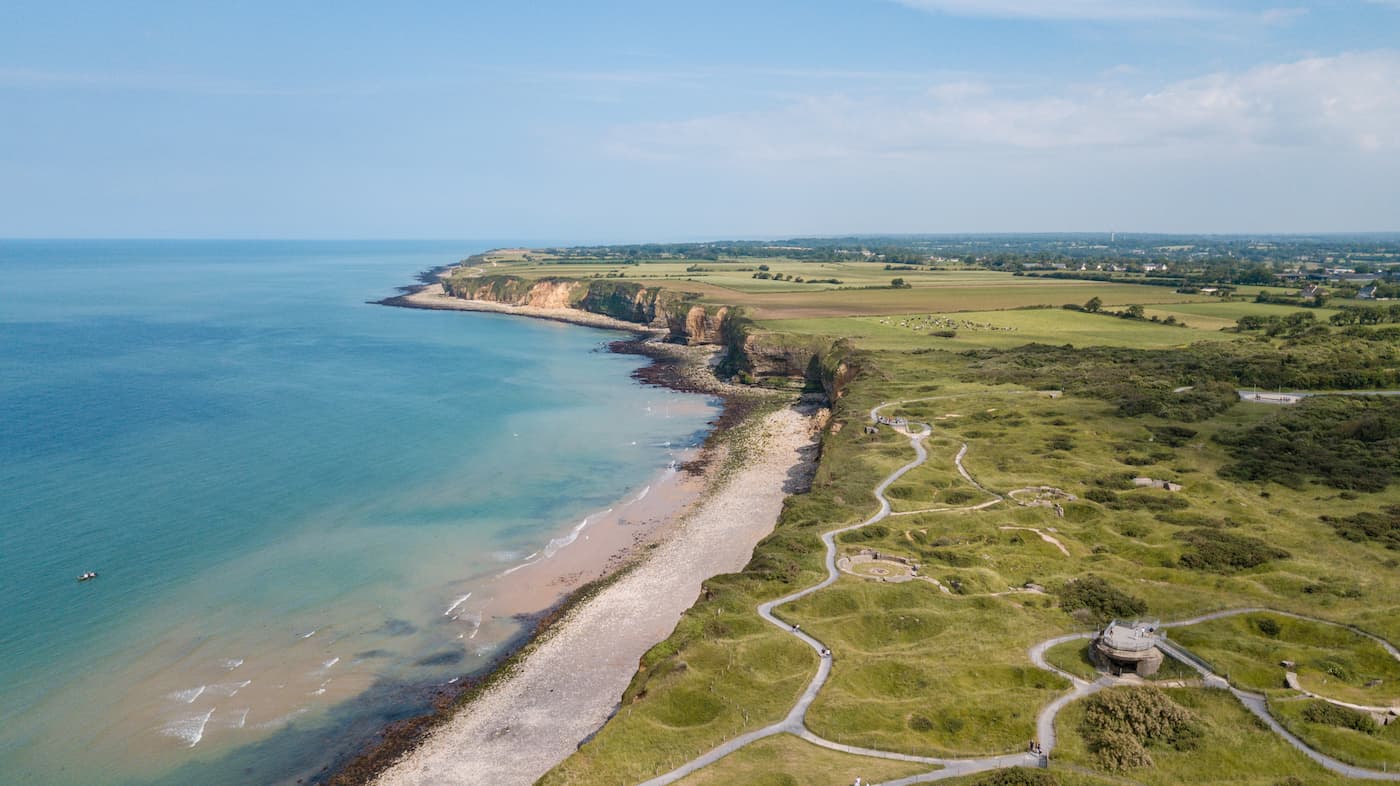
{"x":899,"y":283}
{"x":1093,"y":305}
{"x":1135,"y":312}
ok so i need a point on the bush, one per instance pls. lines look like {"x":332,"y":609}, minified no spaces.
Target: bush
{"x":1118,"y":752}
{"x":1101,"y":496}
{"x":1100,"y":599}
{"x":1348,"y":443}
{"x":1121,"y":724}
{"x":1220,"y":551}
{"x":1019,"y":776}
{"x":872,"y":532}
{"x":1267,"y":626}
{"x":1366,"y":527}
{"x":920,"y":723}
{"x":1172,"y":436}
{"x":1336,"y":715}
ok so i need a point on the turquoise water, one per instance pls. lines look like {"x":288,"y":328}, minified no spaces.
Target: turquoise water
{"x":282,"y":489}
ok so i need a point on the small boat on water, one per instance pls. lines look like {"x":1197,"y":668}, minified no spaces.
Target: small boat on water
{"x":89,"y":576}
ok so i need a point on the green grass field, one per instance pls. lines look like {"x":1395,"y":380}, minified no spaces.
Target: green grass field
{"x":1236,"y":748}
{"x":1224,"y":314}
{"x":864,"y":289}
{"x":889,"y":691}
{"x":1379,"y":750}
{"x":1330,"y":661}
{"x":920,"y":670}
{"x":998,"y":329}
{"x":785,"y":760}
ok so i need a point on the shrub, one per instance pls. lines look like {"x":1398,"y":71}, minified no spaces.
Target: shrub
{"x":1099,"y":599}
{"x":1101,"y":496}
{"x":1121,"y":724}
{"x":872,"y":532}
{"x":1172,"y":436}
{"x":1215,"y":550}
{"x":1267,"y":626}
{"x":1118,"y":752}
{"x":1336,"y":715}
{"x":1366,"y":527}
{"x":1348,"y":443}
{"x":1019,"y":776}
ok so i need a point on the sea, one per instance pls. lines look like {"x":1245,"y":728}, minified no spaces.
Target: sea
{"x":289,"y":495}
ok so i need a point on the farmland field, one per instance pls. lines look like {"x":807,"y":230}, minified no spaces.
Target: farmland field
{"x":998,"y":329}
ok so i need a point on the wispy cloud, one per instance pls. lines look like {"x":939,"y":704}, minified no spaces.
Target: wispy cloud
{"x":1347,"y":102}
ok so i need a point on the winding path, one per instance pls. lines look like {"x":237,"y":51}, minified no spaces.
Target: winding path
{"x":795,"y":721}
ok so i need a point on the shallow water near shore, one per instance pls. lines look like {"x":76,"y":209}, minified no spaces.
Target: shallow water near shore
{"x":300,"y":506}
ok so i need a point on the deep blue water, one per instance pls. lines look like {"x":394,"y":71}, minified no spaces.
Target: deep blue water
{"x":246,"y":451}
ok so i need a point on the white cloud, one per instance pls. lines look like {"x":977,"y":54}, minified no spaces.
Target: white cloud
{"x":1347,"y":102}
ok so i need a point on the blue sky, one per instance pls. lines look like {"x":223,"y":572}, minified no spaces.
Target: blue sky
{"x":661,"y":120}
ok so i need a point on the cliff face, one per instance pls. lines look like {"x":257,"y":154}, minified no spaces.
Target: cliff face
{"x":516,"y":291}
{"x":751,"y":354}
{"x":678,"y":313}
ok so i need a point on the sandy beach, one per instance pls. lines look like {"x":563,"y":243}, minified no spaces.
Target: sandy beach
{"x":569,"y":683}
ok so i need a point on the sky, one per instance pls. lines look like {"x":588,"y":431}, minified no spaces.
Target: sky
{"x":669,"y":120}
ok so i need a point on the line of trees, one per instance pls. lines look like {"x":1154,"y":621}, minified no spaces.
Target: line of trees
{"x":1366,"y":315}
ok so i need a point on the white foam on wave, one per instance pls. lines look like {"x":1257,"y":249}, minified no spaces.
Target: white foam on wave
{"x":309,"y":635}
{"x":189,"y":728}
{"x":555,"y":544}
{"x":642,"y":495}
{"x":527,"y":563}
{"x":242,"y":718}
{"x":228,"y":688}
{"x":455,"y":604}
{"x":232,"y":663}
{"x":188,"y":695}
{"x":328,"y":664}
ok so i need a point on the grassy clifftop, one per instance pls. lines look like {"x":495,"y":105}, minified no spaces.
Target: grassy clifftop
{"x":939,"y":667}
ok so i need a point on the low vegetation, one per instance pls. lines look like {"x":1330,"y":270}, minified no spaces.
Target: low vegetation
{"x":1120,"y":725}
{"x":1218,"y":550}
{"x":1042,"y":398}
{"x":1094,"y":601}
{"x":1369,"y":527}
{"x":1346,"y":442}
